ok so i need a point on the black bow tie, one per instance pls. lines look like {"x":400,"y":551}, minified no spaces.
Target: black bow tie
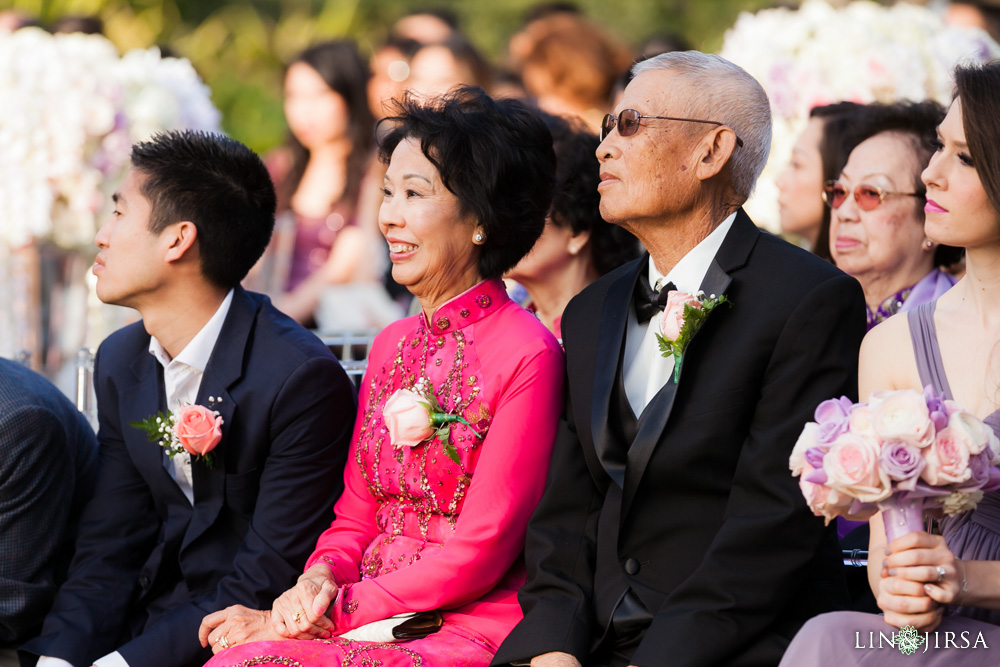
{"x":647,"y":300}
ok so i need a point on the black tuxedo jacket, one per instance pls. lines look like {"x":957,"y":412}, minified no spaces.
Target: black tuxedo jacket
{"x":705,"y":524}
{"x":149,"y":565}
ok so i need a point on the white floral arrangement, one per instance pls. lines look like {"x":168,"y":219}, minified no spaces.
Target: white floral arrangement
{"x":862,"y":52}
{"x":72,"y":110}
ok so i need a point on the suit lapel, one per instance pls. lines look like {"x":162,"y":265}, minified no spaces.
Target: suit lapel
{"x":137,"y":402}
{"x":733,"y":254}
{"x":224,"y":369}
{"x":614,"y":317}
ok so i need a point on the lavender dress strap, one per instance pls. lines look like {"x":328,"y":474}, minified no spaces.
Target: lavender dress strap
{"x":925,"y":348}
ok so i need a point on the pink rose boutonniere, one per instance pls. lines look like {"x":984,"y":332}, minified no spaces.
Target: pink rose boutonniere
{"x":682,"y":317}
{"x":413,"y":416}
{"x":194,"y":429}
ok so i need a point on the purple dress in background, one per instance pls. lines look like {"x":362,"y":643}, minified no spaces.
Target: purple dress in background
{"x":853,"y":638}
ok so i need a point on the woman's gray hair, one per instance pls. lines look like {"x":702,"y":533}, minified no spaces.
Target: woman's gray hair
{"x":723,"y":92}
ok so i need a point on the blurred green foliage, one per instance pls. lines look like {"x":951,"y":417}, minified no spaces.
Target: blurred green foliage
{"x":239,"y":46}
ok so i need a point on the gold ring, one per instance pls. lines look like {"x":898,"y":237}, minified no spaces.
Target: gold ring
{"x":223,"y":642}
{"x":298,"y":615}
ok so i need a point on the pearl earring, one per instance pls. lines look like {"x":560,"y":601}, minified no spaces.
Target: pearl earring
{"x":929,"y":244}
{"x":478,"y":238}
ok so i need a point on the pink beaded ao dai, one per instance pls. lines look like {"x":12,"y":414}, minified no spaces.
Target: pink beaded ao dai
{"x":416,"y":531}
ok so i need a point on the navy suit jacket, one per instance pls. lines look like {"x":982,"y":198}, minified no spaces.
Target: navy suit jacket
{"x":699,"y":515}
{"x":150,"y":565}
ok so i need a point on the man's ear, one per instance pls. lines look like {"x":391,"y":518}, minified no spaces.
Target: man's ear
{"x":714,"y":152}
{"x":180,"y":236}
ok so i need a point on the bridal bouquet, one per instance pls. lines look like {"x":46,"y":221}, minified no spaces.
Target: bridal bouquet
{"x":903,"y":452}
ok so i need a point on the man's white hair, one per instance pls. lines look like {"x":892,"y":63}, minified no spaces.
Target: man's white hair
{"x":723,"y":92}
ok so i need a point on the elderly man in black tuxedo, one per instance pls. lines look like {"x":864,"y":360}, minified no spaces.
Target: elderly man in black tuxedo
{"x":168,"y":539}
{"x":671,"y":531}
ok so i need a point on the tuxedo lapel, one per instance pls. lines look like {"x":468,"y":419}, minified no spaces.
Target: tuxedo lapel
{"x":731,"y":255}
{"x":224,"y":369}
{"x":611,"y":338}
{"x":137,"y":402}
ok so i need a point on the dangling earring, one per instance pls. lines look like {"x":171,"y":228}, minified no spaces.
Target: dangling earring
{"x":479,"y":238}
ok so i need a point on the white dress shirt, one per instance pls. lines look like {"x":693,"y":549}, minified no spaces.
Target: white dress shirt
{"x":646,"y":369}
{"x":181,"y":381}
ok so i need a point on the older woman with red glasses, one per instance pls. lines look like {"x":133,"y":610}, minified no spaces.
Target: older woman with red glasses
{"x":877,"y":227}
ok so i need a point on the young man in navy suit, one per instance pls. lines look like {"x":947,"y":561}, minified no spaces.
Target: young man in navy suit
{"x":165,"y":541}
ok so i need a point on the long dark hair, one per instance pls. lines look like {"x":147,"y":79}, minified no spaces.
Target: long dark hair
{"x":978,"y":88}
{"x":343,"y":70}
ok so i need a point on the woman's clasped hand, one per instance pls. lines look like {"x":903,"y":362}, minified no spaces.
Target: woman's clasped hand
{"x":919,"y":577}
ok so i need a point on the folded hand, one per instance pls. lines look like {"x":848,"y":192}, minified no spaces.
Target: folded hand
{"x":235,"y":625}
{"x":300,"y":612}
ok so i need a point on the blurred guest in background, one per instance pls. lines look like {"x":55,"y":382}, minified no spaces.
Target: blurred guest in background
{"x":817,"y":157}
{"x":88,"y":25}
{"x":12,"y":19}
{"x":48,"y":462}
{"x":983,"y":14}
{"x":569,"y":65}
{"x":390,"y":68}
{"x":426,"y":26}
{"x":437,"y":68}
{"x":318,"y":176}
{"x":877,"y":227}
{"x":577,"y":246}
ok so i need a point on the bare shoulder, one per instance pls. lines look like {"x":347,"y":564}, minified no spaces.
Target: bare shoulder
{"x":886,"y":359}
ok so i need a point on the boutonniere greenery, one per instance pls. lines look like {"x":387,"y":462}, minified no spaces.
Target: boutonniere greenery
{"x":194,"y":429}
{"x":413,"y":416}
{"x":683,"y":315}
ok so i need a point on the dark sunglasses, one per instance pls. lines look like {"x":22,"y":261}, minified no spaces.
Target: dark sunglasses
{"x":868,"y":197}
{"x":628,"y":122}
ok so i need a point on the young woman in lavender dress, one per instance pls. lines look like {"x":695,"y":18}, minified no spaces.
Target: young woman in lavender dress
{"x":949,"y":583}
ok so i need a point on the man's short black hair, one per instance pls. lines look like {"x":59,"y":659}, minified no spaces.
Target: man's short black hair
{"x":216,"y":183}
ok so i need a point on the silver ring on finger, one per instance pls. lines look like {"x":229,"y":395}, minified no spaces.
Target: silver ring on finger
{"x":940,"y":572}
{"x":224,"y":642}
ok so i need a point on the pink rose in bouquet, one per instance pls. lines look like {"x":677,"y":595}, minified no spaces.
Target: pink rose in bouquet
{"x":672,"y":320}
{"x":408,"y":417}
{"x":198,"y":429}
{"x":852,"y":467}
{"x":948,"y":458}
{"x":822,"y":500}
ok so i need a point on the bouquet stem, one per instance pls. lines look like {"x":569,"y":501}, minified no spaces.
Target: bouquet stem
{"x":901,"y":516}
